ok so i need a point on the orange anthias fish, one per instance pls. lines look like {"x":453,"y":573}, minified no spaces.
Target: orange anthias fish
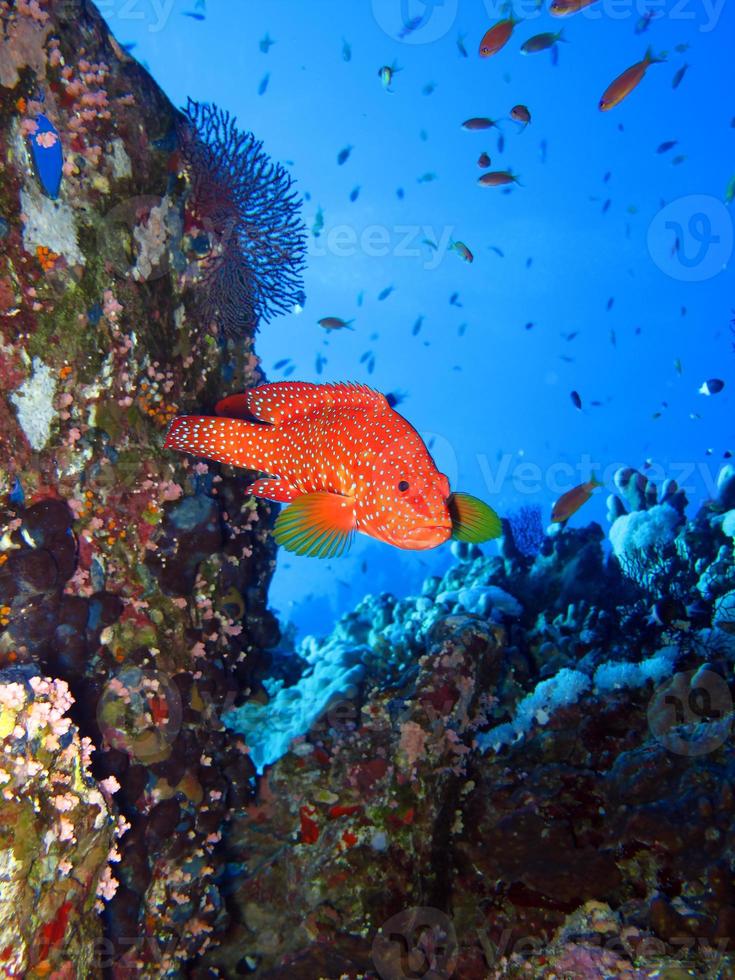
{"x":625,"y":83}
{"x":562,"y":8}
{"x":570,"y":502}
{"x":343,"y":459}
{"x":497,"y":37}
{"x":497,"y":178}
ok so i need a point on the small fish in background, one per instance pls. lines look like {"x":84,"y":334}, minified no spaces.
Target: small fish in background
{"x":529,"y":262}
{"x":666,"y":146}
{"x":282,"y":363}
{"x":316,"y":228}
{"x":497,"y":178}
{"x":530,"y":325}
{"x":195,"y":15}
{"x":677,"y":366}
{"x":461,"y":332}
{"x":461,"y":47}
{"x":644,"y":22}
{"x":289,"y":371}
{"x":386,"y":74}
{"x":541,"y":42}
{"x":610,"y":303}
{"x":606,"y":206}
{"x":371,"y":364}
{"x":427,"y":178}
{"x":266,"y":43}
{"x":417,"y":326}
{"x":569,"y":503}
{"x":676,"y":80}
{"x":263,"y":87}
{"x":496,"y":37}
{"x":429,"y":88}
{"x":430,"y":244}
{"x":385,"y":293}
{"x":678,"y":159}
{"x":730,"y":190}
{"x":498,"y":251}
{"x":484,"y":161}
{"x":365,"y":356}
{"x":423,"y":135}
{"x":354,"y":193}
{"x":713,"y":386}
{"x":130,"y":46}
{"x":624,"y":84}
{"x":400,"y":193}
{"x":542,"y":151}
{"x":346,"y":50}
{"x":563,"y":8}
{"x":576,"y":400}
{"x":475,"y":123}
{"x":361,"y":297}
{"x":410,"y":26}
{"x":335,"y":323}
{"x":344,"y":155}
{"x":464,"y":253}
{"x":520,"y":114}
{"x":454,"y":300}
{"x":320,"y":363}
{"x":501,"y":143}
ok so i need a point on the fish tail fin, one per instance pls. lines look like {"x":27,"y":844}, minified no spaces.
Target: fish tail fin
{"x":224,"y":440}
{"x":594,"y":482}
{"x":652,"y":59}
{"x":560,"y":36}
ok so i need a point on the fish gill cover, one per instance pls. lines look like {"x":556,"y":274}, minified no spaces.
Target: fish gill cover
{"x":247,"y":207}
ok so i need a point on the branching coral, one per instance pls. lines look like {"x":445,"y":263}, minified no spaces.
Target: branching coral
{"x":245,"y":205}
{"x":527,"y":530}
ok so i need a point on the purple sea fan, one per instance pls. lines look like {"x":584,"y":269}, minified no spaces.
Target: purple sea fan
{"x":250,"y":213}
{"x":527,"y":530}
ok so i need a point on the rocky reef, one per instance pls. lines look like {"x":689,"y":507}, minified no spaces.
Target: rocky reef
{"x":524,"y":771}
{"x":133,"y":584}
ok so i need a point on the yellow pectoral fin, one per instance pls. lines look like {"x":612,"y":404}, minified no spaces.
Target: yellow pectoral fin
{"x":319,"y":525}
{"x":472,"y":520}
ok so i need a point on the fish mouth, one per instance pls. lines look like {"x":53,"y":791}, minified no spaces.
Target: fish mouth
{"x":426,"y":536}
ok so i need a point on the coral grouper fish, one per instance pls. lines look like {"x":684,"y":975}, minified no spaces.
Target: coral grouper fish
{"x":343,"y":459}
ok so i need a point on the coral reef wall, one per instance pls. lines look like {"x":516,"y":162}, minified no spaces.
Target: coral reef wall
{"x":132,"y":583}
{"x":525,"y":771}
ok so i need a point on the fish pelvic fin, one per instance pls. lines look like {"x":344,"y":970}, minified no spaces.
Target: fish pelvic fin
{"x":318,"y":525}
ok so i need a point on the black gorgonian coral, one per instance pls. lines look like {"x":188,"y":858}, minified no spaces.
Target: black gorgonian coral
{"x":245,"y":206}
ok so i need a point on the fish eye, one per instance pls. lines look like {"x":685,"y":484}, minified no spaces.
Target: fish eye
{"x":403,"y":486}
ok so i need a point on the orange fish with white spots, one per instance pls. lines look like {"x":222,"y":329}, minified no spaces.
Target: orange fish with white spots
{"x":344,"y":460}
{"x":625,"y":83}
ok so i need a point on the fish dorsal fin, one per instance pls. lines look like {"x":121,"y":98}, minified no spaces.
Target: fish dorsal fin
{"x":283,"y":400}
{"x":234,"y":407}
